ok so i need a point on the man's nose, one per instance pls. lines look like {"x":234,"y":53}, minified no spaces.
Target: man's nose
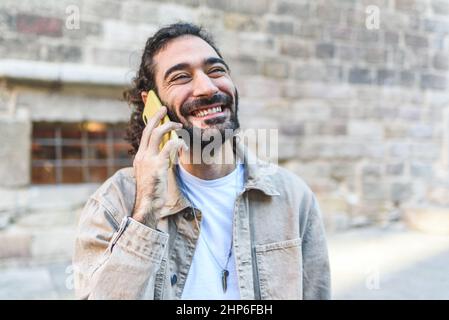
{"x":204,"y":86}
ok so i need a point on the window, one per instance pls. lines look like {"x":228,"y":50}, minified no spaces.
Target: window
{"x":77,"y":152}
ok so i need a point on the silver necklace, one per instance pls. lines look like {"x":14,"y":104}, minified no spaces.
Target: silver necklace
{"x":224,"y":270}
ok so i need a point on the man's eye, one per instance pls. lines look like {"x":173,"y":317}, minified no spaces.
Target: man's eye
{"x":217,"y":70}
{"x":180,"y":77}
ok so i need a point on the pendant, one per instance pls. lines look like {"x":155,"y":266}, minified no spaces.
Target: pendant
{"x":224,"y":279}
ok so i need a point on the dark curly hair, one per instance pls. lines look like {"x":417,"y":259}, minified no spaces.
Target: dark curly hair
{"x":145,"y":80}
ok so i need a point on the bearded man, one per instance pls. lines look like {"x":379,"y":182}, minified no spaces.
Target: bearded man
{"x":197,"y":229}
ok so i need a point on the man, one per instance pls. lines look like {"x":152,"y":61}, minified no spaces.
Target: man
{"x":205,"y":230}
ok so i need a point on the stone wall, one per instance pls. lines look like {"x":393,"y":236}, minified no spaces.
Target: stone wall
{"x":362,"y":112}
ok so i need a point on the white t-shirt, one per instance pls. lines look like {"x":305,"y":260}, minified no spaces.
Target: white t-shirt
{"x":215,"y":199}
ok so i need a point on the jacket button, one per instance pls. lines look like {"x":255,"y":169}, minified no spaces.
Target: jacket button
{"x":188,"y":215}
{"x":173,"y":279}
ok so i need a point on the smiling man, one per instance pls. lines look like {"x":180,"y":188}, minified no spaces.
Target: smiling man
{"x":197,"y":229}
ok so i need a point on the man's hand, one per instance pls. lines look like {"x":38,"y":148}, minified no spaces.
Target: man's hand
{"x":150,"y":168}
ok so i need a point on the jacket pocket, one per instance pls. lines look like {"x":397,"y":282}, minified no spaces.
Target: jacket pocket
{"x":279,"y":268}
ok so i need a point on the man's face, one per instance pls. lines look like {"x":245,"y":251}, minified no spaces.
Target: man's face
{"x":195,"y":84}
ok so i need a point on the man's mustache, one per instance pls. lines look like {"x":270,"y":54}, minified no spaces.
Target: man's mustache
{"x":188,"y":107}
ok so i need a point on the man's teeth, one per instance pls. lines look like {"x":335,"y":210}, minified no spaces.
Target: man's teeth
{"x":205,"y":112}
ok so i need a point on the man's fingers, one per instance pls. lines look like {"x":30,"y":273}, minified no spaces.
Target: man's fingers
{"x":171,"y":147}
{"x":156,"y":135}
{"x":151,"y":124}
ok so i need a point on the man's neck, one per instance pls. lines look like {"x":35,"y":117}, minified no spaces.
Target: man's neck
{"x":215,"y":168}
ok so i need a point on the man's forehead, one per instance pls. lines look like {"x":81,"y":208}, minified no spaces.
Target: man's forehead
{"x":185,"y":49}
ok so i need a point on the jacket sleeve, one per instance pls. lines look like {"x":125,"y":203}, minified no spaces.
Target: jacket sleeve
{"x":316,"y":270}
{"x":115,"y":263}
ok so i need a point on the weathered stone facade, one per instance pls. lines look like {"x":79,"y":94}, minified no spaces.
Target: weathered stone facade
{"x":362,"y":112}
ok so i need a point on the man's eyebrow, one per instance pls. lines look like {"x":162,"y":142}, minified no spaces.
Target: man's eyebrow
{"x":184,"y":65}
{"x":176,"y":67}
{"x":213,"y":60}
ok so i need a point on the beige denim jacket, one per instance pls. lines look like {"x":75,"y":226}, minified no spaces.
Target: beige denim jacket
{"x":279,"y":240}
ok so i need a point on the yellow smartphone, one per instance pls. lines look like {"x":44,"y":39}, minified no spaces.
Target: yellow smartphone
{"x":152,"y":106}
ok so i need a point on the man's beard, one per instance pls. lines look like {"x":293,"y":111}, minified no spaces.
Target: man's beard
{"x":219,"y":126}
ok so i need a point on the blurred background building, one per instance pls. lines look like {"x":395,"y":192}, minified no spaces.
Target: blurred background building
{"x":358,"y":90}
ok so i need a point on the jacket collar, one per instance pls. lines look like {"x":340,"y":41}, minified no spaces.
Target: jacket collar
{"x":258,"y":176}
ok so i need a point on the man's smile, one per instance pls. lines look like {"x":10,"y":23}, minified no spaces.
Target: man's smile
{"x":209,"y":113}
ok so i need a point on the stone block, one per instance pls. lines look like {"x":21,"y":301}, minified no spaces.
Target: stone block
{"x":425,"y":151}
{"x":350,"y":150}
{"x":288,"y":148}
{"x":58,"y":198}
{"x":367,"y":36}
{"x":309,"y":30}
{"x":111,"y":57}
{"x":411,"y":6}
{"x":280,"y":27}
{"x":407,"y":78}
{"x":191,"y":3}
{"x":259,"y":87}
{"x":311,"y":72}
{"x":26,"y":283}
{"x":246,"y":43}
{"x":49,"y":107}
{"x":257,"y":7}
{"x":239,"y":22}
{"x":325,"y":50}
{"x":62,"y":53}
{"x":293,"y":8}
{"x":141,"y":12}
{"x":416,"y":42}
{"x":395,"y":169}
{"x":172,"y":13}
{"x":342,"y":171}
{"x":274,"y":68}
{"x":15,"y":133}
{"x":421,"y":131}
{"x":325,"y":128}
{"x":365,"y":129}
{"x":87,"y":31}
{"x":441,"y":61}
{"x":340,"y":33}
{"x":243,"y":65}
{"x":440,"y":7}
{"x":433,"y":81}
{"x":7,"y":21}
{"x":292,"y":129}
{"x":295,"y":48}
{"x":421,"y":170}
{"x":102,"y":9}
{"x":387,"y":77}
{"x":374,"y":191}
{"x":401,"y":191}
{"x":53,"y":243}
{"x":391,"y":38}
{"x":399,"y":150}
{"x":329,"y":12}
{"x":310,"y":109}
{"x":360,"y":76}
{"x":38,"y":25}
{"x":15,"y":243}
{"x":370,"y":171}
{"x":435,"y":25}
{"x":46,"y":219}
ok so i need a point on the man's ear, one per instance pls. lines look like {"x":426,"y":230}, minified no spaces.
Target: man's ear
{"x":144,"y":96}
